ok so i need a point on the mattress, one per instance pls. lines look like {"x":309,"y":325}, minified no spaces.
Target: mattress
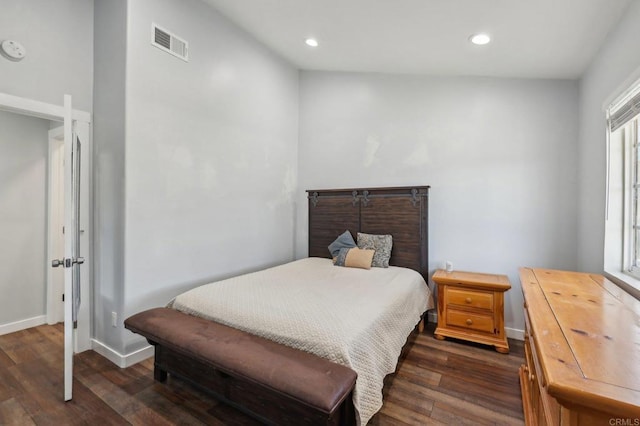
{"x":355,"y":317}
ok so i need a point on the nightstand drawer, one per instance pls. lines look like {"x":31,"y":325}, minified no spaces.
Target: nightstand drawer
{"x":464,"y":297}
{"x":471,"y":321}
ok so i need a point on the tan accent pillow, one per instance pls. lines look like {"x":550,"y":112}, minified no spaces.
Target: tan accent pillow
{"x":359,"y":258}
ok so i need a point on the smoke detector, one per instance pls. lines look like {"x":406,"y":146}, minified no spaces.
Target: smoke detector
{"x":12,"y":50}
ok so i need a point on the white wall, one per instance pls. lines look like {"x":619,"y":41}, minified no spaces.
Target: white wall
{"x":615,"y":67}
{"x":58,"y":38}
{"x":23,"y":208}
{"x":498,"y":154}
{"x":210,"y":155}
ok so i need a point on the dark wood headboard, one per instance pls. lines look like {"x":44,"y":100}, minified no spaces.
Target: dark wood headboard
{"x":402,"y":212}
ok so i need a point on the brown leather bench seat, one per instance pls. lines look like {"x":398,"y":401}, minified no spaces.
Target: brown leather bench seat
{"x":274,"y":383}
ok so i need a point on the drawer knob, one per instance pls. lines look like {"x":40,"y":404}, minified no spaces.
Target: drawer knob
{"x":469,"y":322}
{"x":468,"y":300}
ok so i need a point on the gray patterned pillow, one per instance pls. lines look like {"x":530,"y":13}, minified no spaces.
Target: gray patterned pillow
{"x":381,"y":244}
{"x":345,"y":240}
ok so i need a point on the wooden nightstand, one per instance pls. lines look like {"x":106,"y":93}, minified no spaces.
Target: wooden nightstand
{"x":471,"y":307}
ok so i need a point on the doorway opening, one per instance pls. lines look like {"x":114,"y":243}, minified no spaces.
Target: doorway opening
{"x":55,"y":228}
{"x":56,"y":174}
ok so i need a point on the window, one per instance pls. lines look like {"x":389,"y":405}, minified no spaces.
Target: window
{"x":631,"y":134}
{"x":631,"y":190}
{"x":622,"y":227}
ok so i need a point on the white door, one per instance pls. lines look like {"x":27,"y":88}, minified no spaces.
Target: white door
{"x":76,"y":246}
{"x":72,"y":260}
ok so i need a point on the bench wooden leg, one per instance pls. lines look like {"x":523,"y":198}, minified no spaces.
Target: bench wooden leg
{"x":159,"y":374}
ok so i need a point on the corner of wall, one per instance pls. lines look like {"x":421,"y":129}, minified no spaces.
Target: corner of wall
{"x":110,"y":41}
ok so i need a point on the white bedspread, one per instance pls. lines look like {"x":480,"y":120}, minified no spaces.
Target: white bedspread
{"x":357,"y":318}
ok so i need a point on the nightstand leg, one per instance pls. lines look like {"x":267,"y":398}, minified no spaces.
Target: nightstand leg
{"x":439,"y":337}
{"x":502,"y":350}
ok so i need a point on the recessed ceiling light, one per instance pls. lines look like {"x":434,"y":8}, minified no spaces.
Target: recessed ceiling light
{"x":311,"y":42}
{"x":480,"y":39}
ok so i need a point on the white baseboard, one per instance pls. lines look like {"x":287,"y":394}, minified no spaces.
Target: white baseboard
{"x":22,"y":324}
{"x":122,"y":361}
{"x":514,"y":333}
{"x":139,"y":355}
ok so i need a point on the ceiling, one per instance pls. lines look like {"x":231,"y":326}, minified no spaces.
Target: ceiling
{"x":531,"y":38}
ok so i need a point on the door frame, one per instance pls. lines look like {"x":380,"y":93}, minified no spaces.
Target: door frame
{"x":82,"y":119}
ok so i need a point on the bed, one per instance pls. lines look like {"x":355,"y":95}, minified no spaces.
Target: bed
{"x":356,"y":318}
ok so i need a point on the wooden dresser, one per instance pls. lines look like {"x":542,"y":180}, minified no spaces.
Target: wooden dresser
{"x":582,"y":349}
{"x":471,"y":307}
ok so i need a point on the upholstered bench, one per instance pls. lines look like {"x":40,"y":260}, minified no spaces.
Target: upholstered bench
{"x":274,"y":383}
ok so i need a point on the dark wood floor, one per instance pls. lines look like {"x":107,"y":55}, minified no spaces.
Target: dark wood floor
{"x":439,"y":382}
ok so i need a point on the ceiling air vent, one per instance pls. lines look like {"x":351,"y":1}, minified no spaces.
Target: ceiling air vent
{"x":170,"y":43}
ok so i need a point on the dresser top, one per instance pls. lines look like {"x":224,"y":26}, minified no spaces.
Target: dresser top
{"x":587,"y":335}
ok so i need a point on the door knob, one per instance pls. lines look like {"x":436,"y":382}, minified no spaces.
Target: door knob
{"x":61,"y":262}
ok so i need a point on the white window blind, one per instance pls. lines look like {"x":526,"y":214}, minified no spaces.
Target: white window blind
{"x":625,"y":109}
